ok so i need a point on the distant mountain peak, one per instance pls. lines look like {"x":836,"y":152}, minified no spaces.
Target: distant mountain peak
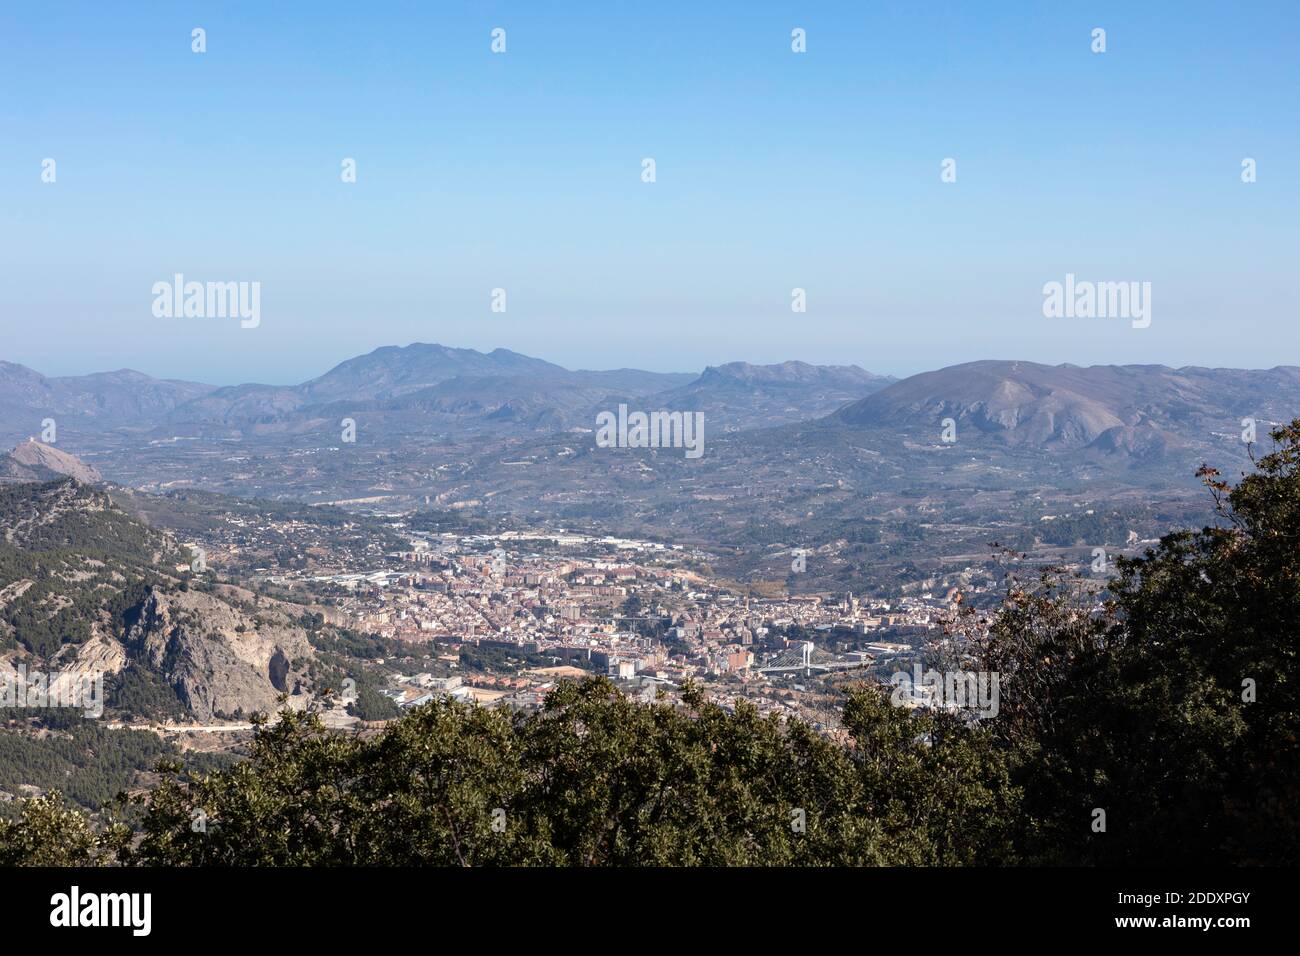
{"x":1125,"y":409}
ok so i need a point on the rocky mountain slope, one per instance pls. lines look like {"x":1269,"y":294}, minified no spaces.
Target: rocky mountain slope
{"x":220,"y":656}
{"x":33,"y":461}
{"x":86,"y":587}
{"x":1125,"y":410}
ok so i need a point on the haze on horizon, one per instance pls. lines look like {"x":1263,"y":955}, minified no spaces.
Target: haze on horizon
{"x":522,"y":171}
{"x":571,"y":366}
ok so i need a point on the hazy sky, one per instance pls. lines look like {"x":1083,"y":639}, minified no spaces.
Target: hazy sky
{"x":522,"y":171}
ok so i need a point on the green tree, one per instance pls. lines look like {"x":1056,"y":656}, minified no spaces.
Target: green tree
{"x":49,"y":832}
{"x":1173,"y":708}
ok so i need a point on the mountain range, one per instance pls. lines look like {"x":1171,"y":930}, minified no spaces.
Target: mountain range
{"x":504,"y":433}
{"x":105,"y":398}
{"x":1130,"y":410}
{"x":423,"y":386}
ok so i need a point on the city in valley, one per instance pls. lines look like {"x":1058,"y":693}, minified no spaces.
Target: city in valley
{"x":497,"y":620}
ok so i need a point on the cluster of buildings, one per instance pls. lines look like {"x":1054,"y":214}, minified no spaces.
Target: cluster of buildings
{"x":555,"y":605}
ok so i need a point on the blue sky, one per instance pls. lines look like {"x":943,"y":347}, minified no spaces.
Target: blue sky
{"x":775,"y":170}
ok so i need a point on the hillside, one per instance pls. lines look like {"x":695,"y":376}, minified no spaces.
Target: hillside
{"x":395,"y":393}
{"x":85,"y":586}
{"x":1126,"y":410}
{"x":32,"y":460}
{"x":102,"y":399}
{"x":423,"y":386}
{"x":739,"y":395}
